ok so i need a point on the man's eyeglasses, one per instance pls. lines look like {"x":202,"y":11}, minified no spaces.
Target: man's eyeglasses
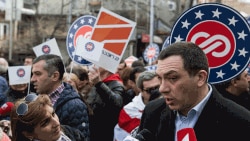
{"x":149,"y":90}
{"x":22,"y":109}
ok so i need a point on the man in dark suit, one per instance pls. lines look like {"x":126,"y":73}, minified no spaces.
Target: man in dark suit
{"x":236,"y":89}
{"x":190,"y":101}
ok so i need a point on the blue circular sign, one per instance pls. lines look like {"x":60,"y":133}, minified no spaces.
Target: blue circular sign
{"x":222,"y":33}
{"x":89,"y":46}
{"x":46,"y":49}
{"x":20,"y":72}
{"x":83,"y":26}
{"x":151,"y":53}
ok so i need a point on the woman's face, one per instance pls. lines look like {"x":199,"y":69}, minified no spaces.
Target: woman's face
{"x":49,"y":127}
{"x":19,"y":87}
{"x":72,"y":79}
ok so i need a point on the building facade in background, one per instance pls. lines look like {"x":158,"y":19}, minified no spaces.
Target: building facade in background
{"x":44,"y":19}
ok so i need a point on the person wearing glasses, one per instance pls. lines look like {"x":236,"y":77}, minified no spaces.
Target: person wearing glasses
{"x":33,"y":118}
{"x":130,"y":115}
{"x":47,"y":75}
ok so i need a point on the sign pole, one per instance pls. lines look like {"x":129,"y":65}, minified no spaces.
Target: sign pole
{"x":11,"y":30}
{"x":151,"y":25}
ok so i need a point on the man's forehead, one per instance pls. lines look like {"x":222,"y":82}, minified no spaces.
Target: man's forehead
{"x":28,"y":59}
{"x":38,"y":67}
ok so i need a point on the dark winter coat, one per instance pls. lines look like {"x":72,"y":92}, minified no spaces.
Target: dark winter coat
{"x":106,"y":101}
{"x":72,"y":111}
{"x":220,"y":120}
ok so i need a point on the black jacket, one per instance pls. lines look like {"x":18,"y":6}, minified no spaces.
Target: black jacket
{"x":106,"y":102}
{"x":73,"y":133}
{"x":220,"y":120}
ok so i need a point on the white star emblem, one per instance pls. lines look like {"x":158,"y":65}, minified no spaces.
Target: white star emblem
{"x":82,"y":21}
{"x":71,"y":35}
{"x":234,"y":66}
{"x":216,"y":13}
{"x":220,"y":74}
{"x":79,"y":59}
{"x":198,"y":15}
{"x":178,"y":39}
{"x":75,"y":26}
{"x":70,"y":44}
{"x":242,"y":35}
{"x":185,"y":24}
{"x":90,"y":20}
{"x":232,"y":21}
{"x":243,"y":52}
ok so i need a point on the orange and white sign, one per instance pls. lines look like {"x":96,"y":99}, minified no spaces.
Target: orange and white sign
{"x":114,"y":31}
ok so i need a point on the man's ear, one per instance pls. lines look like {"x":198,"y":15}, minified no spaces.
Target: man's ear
{"x":233,"y":81}
{"x":28,"y":135}
{"x":202,"y":77}
{"x":55,"y":76}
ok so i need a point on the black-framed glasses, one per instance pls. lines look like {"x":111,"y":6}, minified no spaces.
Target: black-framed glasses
{"x":150,"y":90}
{"x":22,"y":109}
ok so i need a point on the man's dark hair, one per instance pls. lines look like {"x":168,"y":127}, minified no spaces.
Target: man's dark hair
{"x":135,"y":70}
{"x":53,"y":63}
{"x":226,"y":84}
{"x":29,"y":56}
{"x":123,"y":61}
{"x":137,"y":63}
{"x":194,"y":59}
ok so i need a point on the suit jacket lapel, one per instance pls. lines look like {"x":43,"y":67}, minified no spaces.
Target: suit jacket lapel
{"x":167,"y":126}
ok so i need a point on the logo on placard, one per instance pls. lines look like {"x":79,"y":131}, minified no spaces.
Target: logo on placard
{"x":20,"y":72}
{"x":222,"y":33}
{"x":46,"y":49}
{"x":89,"y":46}
{"x":82,"y":26}
{"x":151,"y":52}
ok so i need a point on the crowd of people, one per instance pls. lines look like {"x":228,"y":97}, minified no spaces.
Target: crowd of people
{"x":71,"y":102}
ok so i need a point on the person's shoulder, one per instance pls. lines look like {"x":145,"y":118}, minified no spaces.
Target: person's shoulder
{"x":67,"y":86}
{"x":73,"y":133}
{"x":3,"y":81}
{"x":2,"y":78}
{"x":156,"y":105}
{"x":69,"y":96}
{"x":228,"y":107}
{"x":114,"y":83}
{"x":69,"y":91}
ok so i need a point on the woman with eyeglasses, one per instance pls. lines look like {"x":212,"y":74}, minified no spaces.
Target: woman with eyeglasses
{"x":34,"y":119}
